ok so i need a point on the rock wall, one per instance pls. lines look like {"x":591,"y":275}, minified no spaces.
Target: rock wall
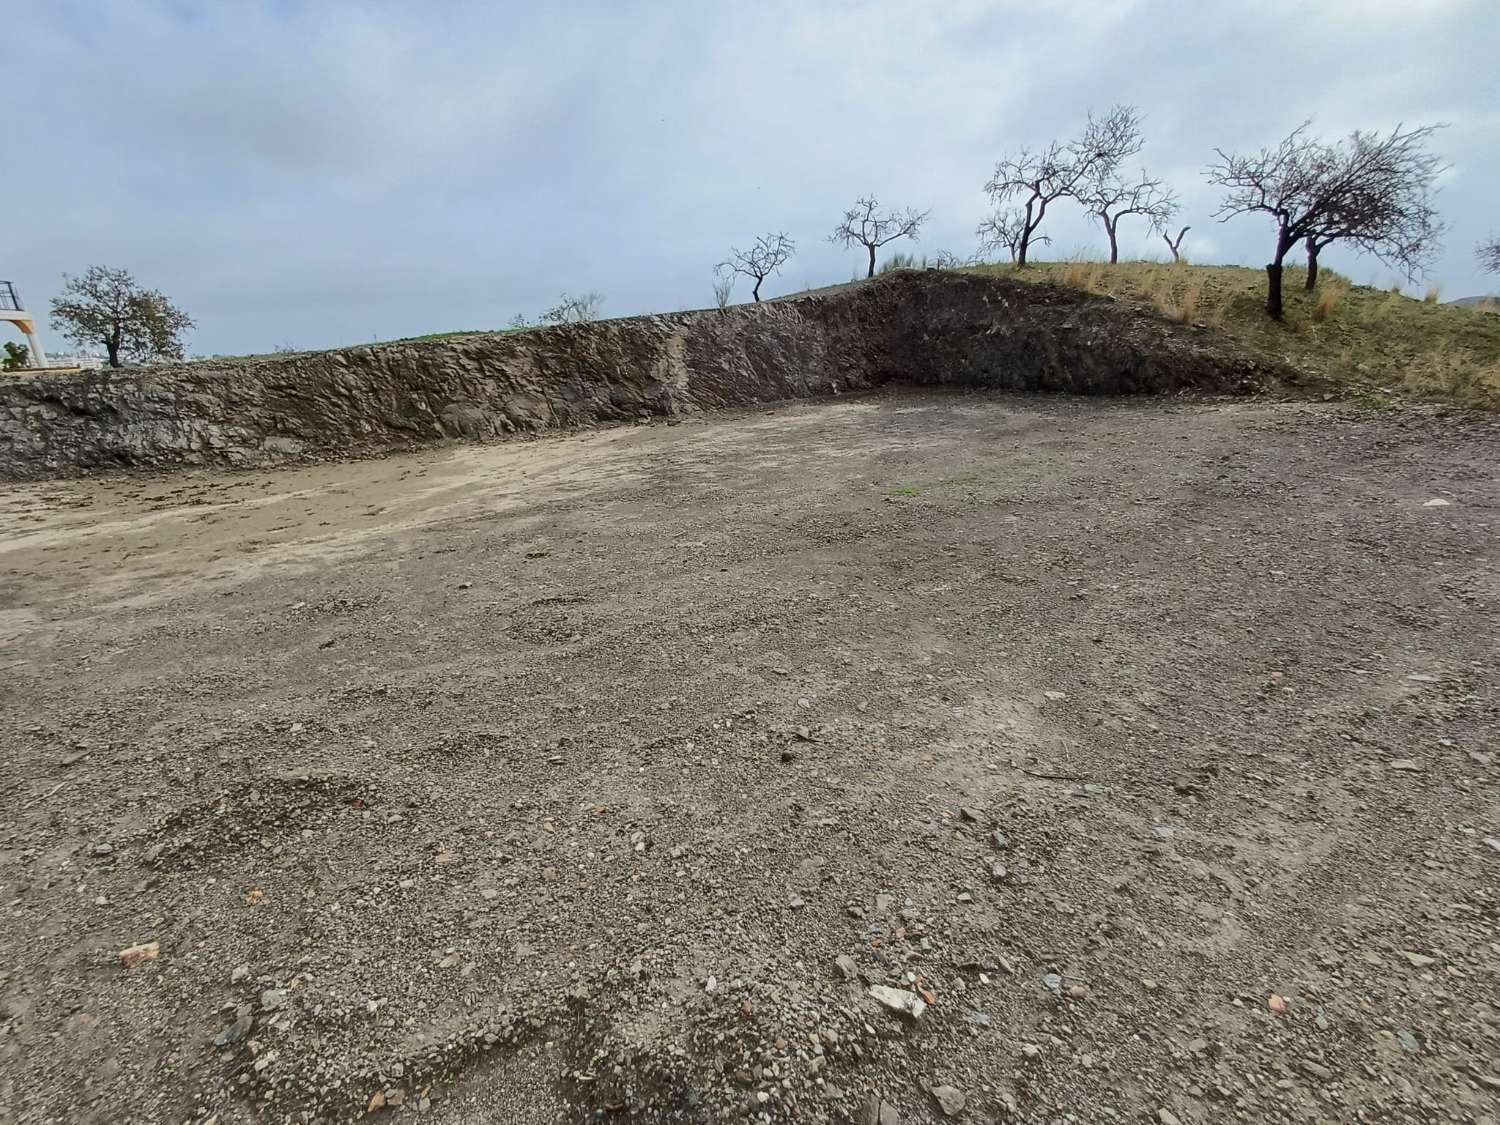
{"x":915,"y":328}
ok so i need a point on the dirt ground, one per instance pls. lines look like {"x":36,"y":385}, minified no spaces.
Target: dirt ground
{"x":1143,"y":753}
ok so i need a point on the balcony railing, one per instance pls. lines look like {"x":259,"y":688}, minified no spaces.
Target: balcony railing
{"x":10,"y":300}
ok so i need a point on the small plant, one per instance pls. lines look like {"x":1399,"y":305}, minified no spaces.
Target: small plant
{"x":1432,"y":294}
{"x":573,"y":309}
{"x":723,"y":287}
{"x":17,"y":357}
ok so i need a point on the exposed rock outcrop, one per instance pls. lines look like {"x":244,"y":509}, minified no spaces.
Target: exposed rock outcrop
{"x":917,"y":328}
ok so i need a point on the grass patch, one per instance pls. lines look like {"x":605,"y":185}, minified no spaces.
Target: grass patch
{"x":1353,"y":338}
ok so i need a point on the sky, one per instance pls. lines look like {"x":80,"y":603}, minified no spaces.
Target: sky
{"x":327,"y":172}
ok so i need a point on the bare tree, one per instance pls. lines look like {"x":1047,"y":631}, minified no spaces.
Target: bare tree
{"x":1372,"y":191}
{"x":1039,"y":178}
{"x":106,"y":306}
{"x":946,"y":260}
{"x":866,"y":225}
{"x":1175,"y":244}
{"x":571,"y":309}
{"x":1110,"y":197}
{"x":763,"y":260}
{"x":1489,"y":255}
{"x":1006,"y":228}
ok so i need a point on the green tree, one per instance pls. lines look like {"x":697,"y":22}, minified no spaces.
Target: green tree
{"x":17,"y":357}
{"x":106,"y":306}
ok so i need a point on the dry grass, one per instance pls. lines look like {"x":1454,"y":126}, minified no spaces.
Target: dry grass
{"x":1329,"y":294}
{"x":1432,"y":294}
{"x":1349,"y":337}
{"x":1179,"y":302}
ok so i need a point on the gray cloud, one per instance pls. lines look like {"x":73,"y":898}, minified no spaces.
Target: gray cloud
{"x":324,"y":173}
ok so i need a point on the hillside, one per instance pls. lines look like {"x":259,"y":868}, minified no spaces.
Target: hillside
{"x":1357,"y":340}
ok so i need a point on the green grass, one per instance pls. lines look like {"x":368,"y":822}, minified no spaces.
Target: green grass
{"x":1361,"y":341}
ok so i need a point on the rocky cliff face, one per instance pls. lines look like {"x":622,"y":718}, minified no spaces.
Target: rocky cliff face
{"x":919,"y":328}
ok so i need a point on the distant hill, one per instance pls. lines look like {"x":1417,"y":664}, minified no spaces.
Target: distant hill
{"x":1488,"y":304}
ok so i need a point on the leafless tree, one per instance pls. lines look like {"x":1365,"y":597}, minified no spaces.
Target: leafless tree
{"x":1175,"y":244}
{"x":1006,"y":228}
{"x":866,"y":225}
{"x":946,"y":260}
{"x":1109,"y":197}
{"x":574,"y":309}
{"x":1489,"y":255}
{"x":1039,"y":178}
{"x":723,"y":287}
{"x":763,"y":260}
{"x":1372,"y":191}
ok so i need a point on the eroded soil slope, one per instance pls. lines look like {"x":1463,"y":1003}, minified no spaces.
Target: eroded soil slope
{"x":1148,"y":749}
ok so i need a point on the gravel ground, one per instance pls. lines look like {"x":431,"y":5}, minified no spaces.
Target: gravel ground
{"x":906,"y":758}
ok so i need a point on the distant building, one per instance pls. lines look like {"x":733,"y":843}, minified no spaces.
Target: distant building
{"x":79,"y":360}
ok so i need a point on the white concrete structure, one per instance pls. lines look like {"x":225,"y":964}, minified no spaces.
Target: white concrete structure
{"x":12,"y":310}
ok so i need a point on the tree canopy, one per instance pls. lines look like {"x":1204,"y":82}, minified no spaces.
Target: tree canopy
{"x":106,"y":306}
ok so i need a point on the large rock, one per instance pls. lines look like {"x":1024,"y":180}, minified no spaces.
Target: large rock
{"x":916,"y":328}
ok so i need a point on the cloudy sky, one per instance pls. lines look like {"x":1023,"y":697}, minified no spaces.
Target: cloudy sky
{"x":331,"y":171}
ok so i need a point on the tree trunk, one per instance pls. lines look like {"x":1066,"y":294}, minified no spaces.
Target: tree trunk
{"x":1273,"y":289}
{"x":756,"y":291}
{"x":872,"y":262}
{"x":1114,"y":246}
{"x":112,"y":345}
{"x":1312,"y":266}
{"x":1021,"y":249}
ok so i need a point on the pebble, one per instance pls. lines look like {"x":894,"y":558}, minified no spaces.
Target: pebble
{"x":1053,"y":981}
{"x":135,"y":955}
{"x":104,"y":849}
{"x":1317,"y":1070}
{"x":846,"y":966}
{"x":1406,"y":765}
{"x":273,"y":998}
{"x":234,"y":1032}
{"x":1418,"y":960}
{"x":878,"y":1111}
{"x":1167,"y":1117}
{"x":241,"y":972}
{"x":949,"y":1099}
{"x":898,"y":1000}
